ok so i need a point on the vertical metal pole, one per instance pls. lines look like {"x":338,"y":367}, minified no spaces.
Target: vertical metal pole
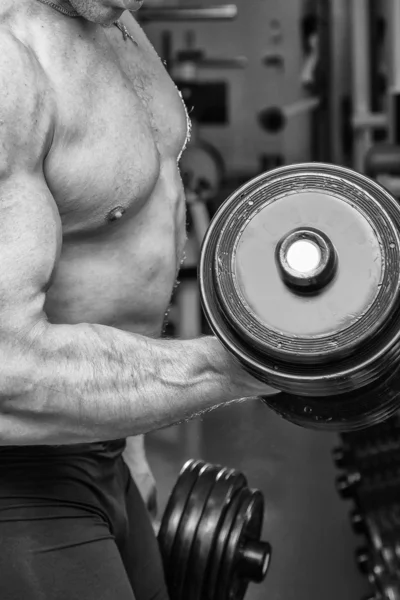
{"x":394,"y":102}
{"x":374,"y":50}
{"x":322,"y":117}
{"x":360,"y":79}
{"x":340,"y":79}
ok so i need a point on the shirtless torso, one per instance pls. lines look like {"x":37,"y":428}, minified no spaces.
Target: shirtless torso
{"x":115,"y":126}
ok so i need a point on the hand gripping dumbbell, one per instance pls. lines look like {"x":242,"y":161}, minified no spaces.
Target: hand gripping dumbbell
{"x":300,"y":280}
{"x":209,"y":536}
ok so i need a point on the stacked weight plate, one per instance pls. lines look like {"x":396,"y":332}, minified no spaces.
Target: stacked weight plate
{"x":370,"y":460}
{"x":300,"y":280}
{"x":210,"y":535}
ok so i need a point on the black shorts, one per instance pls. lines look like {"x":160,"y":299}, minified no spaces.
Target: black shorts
{"x":73,"y":526}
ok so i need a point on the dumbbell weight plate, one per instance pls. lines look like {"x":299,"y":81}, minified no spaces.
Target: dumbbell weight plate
{"x":228,"y":482}
{"x":351,"y":411}
{"x":175,"y":508}
{"x":322,"y":331}
{"x":186,"y":531}
{"x":246,"y":527}
{"x":211,"y":591}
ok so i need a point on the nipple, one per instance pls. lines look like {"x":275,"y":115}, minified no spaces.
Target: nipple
{"x":116,"y":213}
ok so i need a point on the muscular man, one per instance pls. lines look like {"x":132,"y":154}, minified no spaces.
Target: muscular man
{"x":92,"y":233}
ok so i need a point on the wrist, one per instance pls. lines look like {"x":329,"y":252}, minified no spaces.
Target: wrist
{"x":238,"y":382}
{"x":226,"y":368}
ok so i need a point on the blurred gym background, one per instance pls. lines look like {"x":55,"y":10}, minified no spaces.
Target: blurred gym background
{"x":269,"y":83}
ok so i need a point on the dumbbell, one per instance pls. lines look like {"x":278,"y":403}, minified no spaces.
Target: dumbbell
{"x":275,"y":118}
{"x":209,"y":536}
{"x":300,"y":280}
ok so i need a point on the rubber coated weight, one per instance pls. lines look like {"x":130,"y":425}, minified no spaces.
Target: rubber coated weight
{"x":216,"y":559}
{"x":350,"y":411}
{"x":245,"y":558}
{"x":228,"y":482}
{"x":175,"y":508}
{"x":300,"y":280}
{"x":188,"y":527}
{"x":218,"y":520}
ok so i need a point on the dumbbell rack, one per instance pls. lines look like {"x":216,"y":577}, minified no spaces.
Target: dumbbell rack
{"x":370,"y":461}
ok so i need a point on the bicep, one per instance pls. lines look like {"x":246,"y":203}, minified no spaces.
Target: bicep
{"x":30,"y":229}
{"x":30,"y":242}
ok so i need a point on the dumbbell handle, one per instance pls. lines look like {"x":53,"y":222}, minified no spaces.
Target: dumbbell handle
{"x":225,"y":12}
{"x":275,"y":118}
{"x":300,"y":107}
{"x":254,"y":561}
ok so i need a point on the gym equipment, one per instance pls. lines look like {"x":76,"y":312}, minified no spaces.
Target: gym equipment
{"x":202,"y":169}
{"x":383,"y":159}
{"x":210,"y":535}
{"x":274,"y":119}
{"x":369,"y":85}
{"x":225,"y":12}
{"x":371,"y":460}
{"x":300,"y":280}
{"x":316,"y":77}
{"x":382,"y":162}
{"x":186,"y":62}
{"x":361,"y":92}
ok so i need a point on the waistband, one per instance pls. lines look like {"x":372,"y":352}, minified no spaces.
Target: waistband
{"x":110,"y":449}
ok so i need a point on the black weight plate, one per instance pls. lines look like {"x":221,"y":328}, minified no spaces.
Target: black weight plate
{"x":218,"y":551}
{"x":228,"y":482}
{"x":350,"y":411}
{"x":247,"y":526}
{"x":175,"y":508}
{"x":186,"y":532}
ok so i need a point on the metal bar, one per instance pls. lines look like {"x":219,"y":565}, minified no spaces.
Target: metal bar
{"x":394,"y":100}
{"x":340,"y":79}
{"x":275,"y":118}
{"x":395,"y":20}
{"x":373,"y":10}
{"x":300,"y":107}
{"x":238,"y":62}
{"x":321,"y":118}
{"x":370,"y":121}
{"x":361,"y":79}
{"x":225,"y":12}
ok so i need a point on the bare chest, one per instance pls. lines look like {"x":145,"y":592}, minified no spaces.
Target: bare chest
{"x":119,"y":120}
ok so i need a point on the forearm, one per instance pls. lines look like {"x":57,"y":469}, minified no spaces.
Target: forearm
{"x":96,"y":383}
